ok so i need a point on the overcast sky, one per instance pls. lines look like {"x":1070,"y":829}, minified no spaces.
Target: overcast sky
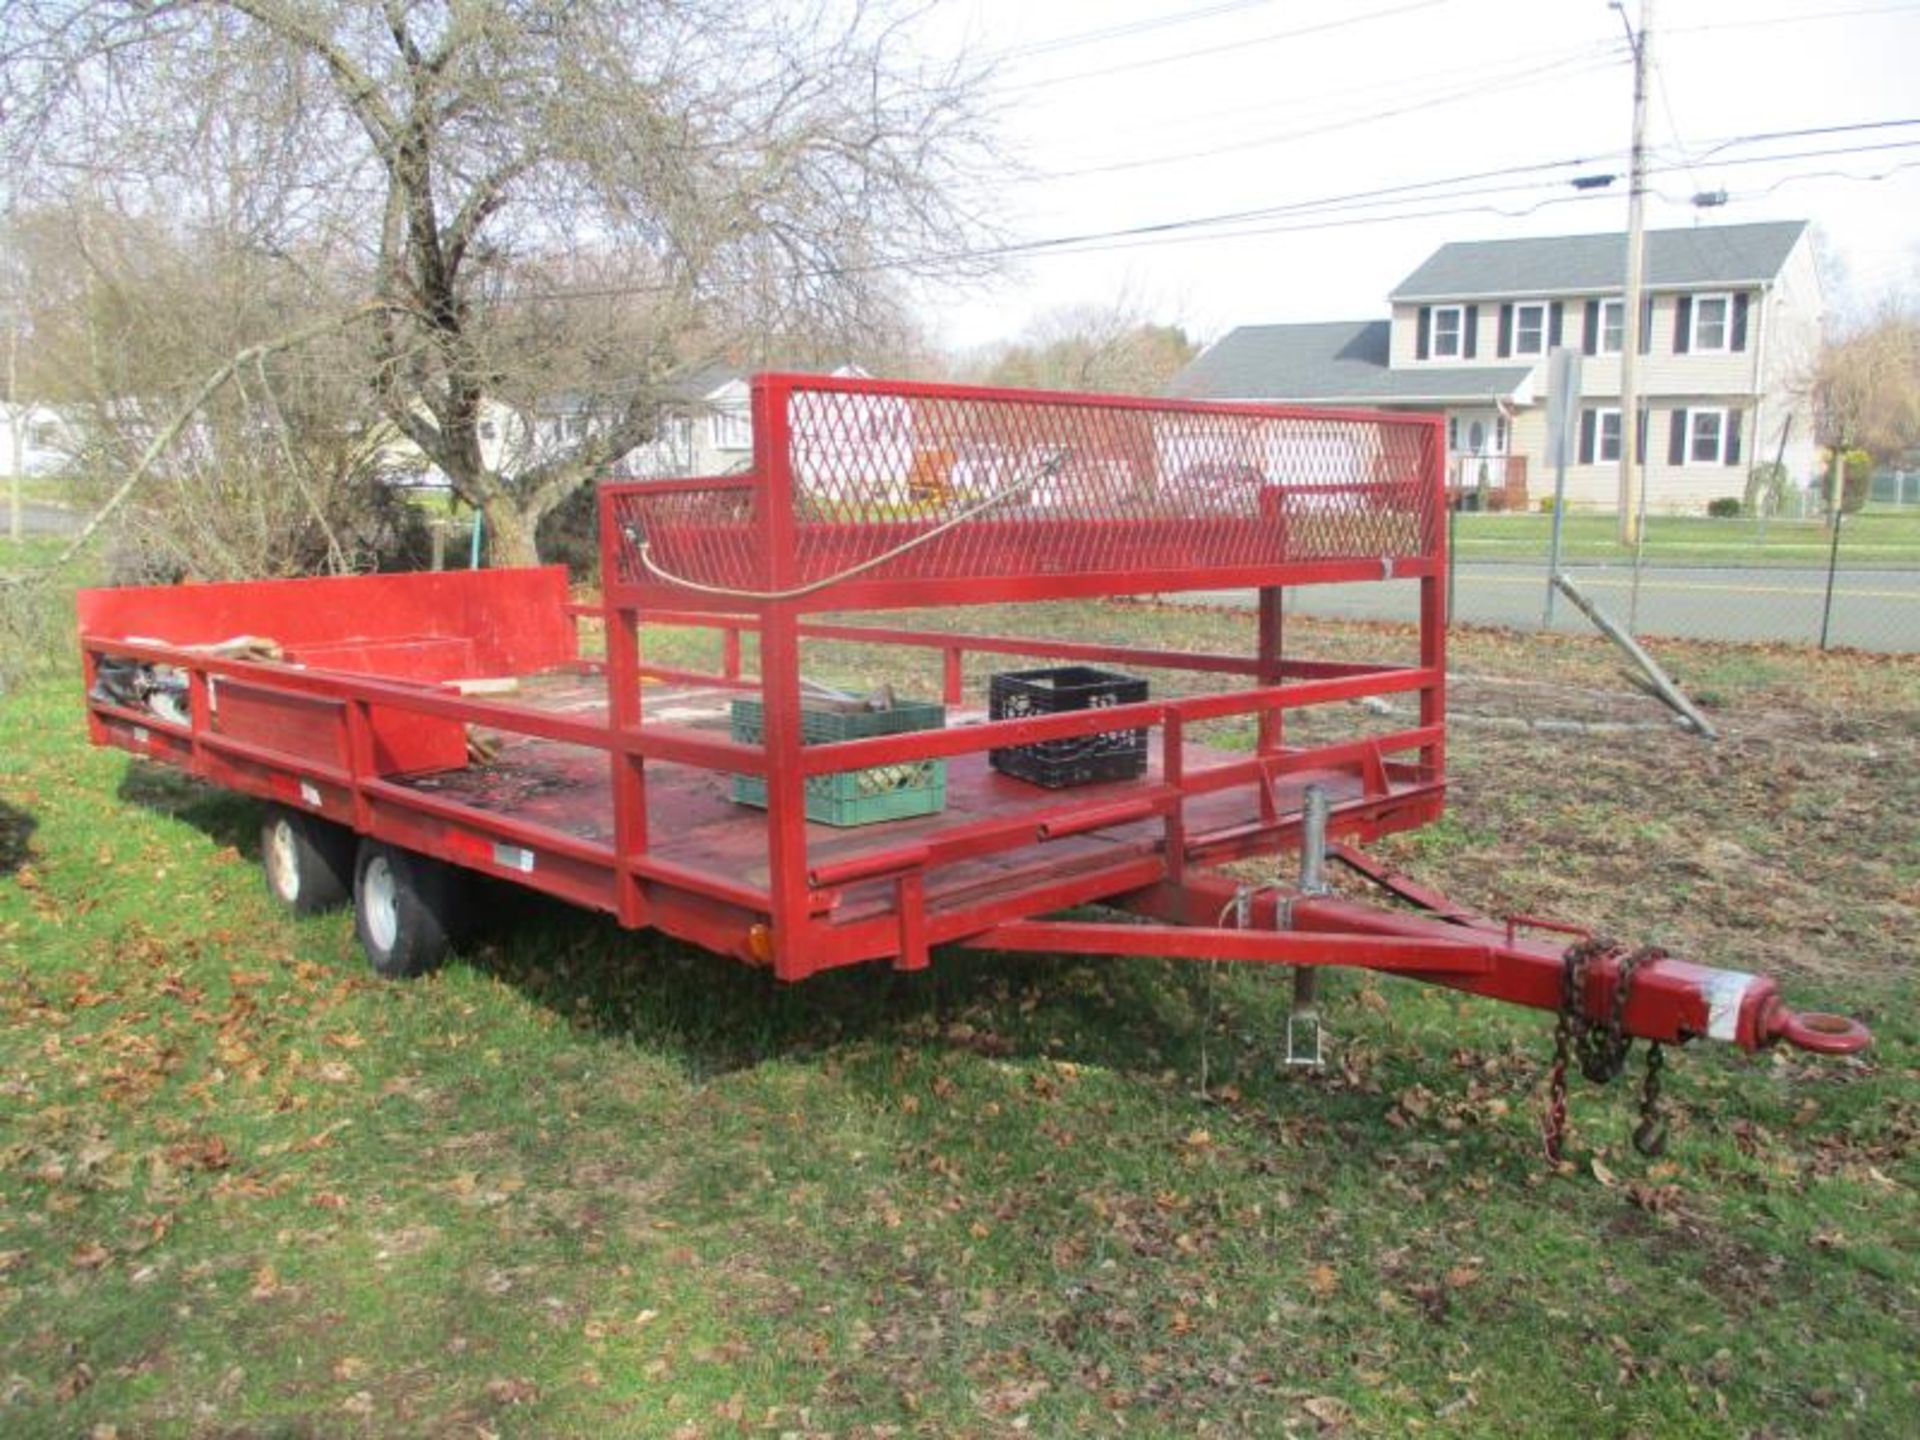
{"x":1136,"y":113}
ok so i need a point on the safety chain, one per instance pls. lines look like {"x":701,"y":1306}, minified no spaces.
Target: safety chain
{"x":1602,"y":1048}
{"x":1650,"y":1135}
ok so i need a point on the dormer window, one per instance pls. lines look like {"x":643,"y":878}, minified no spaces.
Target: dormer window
{"x":1449,"y":325}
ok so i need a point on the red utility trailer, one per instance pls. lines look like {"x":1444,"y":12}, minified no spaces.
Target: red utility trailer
{"x":409,"y":727}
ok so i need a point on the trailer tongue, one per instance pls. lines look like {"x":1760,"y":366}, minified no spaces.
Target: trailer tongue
{"x":409,"y":730}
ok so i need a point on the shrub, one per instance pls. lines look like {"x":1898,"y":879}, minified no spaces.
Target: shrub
{"x":1857,"y":467}
{"x":1724,"y":507}
{"x":569,"y":534}
{"x":1766,"y":488}
{"x":1546,"y":504}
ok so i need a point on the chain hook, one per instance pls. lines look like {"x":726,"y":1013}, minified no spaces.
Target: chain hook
{"x":1650,"y":1135}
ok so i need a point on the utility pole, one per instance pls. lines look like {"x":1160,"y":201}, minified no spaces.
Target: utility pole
{"x":1631,"y":479}
{"x":16,"y":426}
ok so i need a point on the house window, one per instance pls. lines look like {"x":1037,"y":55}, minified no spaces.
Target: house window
{"x":1613,"y":326}
{"x":1453,"y":433}
{"x":1529,"y":329}
{"x":730,"y":430}
{"x":1711,"y":314}
{"x":1448,"y":327}
{"x":487,"y":430}
{"x":1706,"y":434}
{"x":574,"y":427}
{"x":1500,"y":434}
{"x":1606,"y":438}
{"x":43,"y":435}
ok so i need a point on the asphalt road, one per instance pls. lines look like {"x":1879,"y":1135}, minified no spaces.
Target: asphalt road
{"x":1872,"y":609}
{"x":38,"y":519}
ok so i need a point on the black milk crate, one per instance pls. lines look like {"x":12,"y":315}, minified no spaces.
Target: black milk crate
{"x":1077,"y":759}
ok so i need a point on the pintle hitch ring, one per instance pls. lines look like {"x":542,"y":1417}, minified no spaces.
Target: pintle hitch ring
{"x":1819,"y":1032}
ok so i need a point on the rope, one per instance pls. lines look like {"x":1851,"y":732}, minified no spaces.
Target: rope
{"x":1048,"y":467}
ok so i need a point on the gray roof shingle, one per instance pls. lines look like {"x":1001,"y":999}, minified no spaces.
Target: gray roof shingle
{"x":1590,"y":264}
{"x":1343,"y":360}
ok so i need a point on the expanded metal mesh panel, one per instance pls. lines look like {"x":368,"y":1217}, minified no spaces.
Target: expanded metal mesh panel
{"x":939,"y":483}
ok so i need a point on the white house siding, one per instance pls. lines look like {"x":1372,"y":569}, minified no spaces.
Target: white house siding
{"x":1401,"y":337}
{"x":1403,"y":340}
{"x":36,"y":439}
{"x":1796,"y":316}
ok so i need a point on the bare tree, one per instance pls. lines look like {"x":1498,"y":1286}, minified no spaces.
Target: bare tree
{"x":1865,"y":386}
{"x":170,"y":356}
{"x":1093,"y":348}
{"x":544,"y":196}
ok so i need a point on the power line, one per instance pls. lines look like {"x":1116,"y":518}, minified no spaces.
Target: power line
{"x":1160,"y":125}
{"x":1472,"y":91}
{"x":1286,"y":217}
{"x":1762,"y":22}
{"x":1673,"y":125}
{"x":1804,"y":133}
{"x":1126,"y":31}
{"x":1180,"y":55}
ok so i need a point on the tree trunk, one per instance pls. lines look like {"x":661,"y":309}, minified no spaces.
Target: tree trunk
{"x":510,"y":533}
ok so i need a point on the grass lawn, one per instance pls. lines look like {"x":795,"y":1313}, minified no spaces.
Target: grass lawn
{"x":1885,"y":536}
{"x":584,"y":1183}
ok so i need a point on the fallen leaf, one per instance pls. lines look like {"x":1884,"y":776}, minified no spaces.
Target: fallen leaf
{"x":1462,"y":1276}
{"x":1604,"y":1175}
{"x":90,"y":1256}
{"x":1329,"y":1410}
{"x":1323,"y":1280}
{"x":208,"y":1153}
{"x":512,"y":1392}
{"x":73,"y":1382}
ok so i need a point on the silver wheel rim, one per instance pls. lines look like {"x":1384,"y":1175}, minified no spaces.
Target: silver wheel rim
{"x":283,"y":861}
{"x":380,"y":904}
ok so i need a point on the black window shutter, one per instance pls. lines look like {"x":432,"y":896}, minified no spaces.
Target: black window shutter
{"x":1645,"y":419}
{"x":1590,"y":335}
{"x":1739,"y":341}
{"x":1506,"y":331}
{"x":1470,"y":323}
{"x":1556,"y":318}
{"x":1588,"y":420}
{"x":1422,"y":333}
{"x":1677,"y":439}
{"x":1646,"y":325}
{"x":1682,"y":324}
{"x":1733,"y":437}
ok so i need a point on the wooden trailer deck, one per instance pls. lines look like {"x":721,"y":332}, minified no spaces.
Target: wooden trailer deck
{"x":696,"y":824}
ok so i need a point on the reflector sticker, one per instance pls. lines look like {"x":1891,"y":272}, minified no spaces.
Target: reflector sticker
{"x":1725,"y":992}
{"x":310,"y":793}
{"x":513,"y":858}
{"x":141,"y":735}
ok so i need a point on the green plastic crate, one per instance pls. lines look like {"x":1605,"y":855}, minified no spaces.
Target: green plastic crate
{"x":854,"y":797}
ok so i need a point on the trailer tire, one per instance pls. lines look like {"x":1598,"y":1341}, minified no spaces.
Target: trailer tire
{"x":404,"y":905}
{"x":308,"y":862}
